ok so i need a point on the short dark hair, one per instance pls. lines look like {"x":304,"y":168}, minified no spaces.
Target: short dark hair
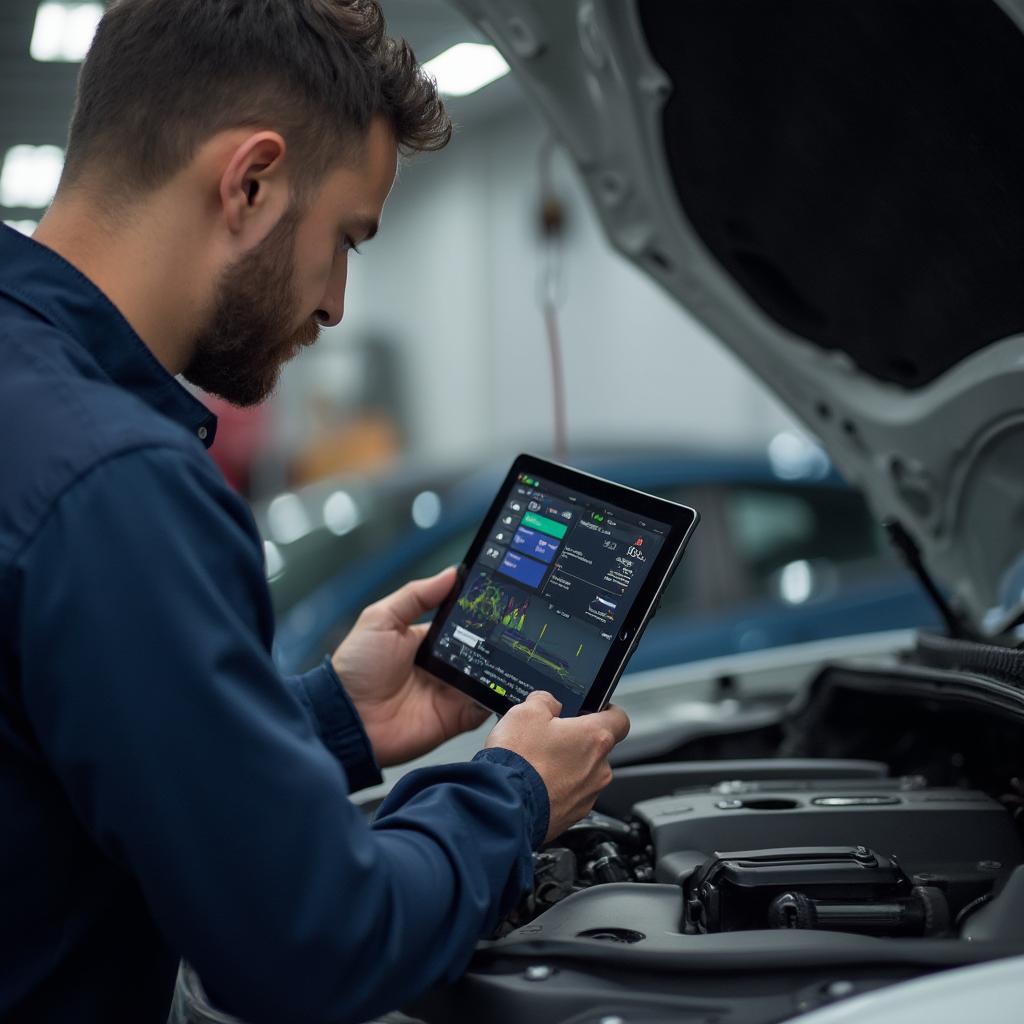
{"x":163,"y":76}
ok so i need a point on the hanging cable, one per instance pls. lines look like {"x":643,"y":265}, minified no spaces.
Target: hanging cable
{"x":551,"y":288}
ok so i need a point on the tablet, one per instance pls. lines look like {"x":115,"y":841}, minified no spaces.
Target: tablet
{"x":556,"y":589}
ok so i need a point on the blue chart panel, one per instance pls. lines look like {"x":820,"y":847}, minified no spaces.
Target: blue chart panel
{"x":526,"y":570}
{"x":537,"y":544}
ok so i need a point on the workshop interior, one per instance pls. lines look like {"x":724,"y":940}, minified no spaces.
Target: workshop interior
{"x":761,"y":260}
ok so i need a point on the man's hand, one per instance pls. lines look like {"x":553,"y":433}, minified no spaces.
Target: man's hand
{"x":570,"y":754}
{"x":406,"y":711}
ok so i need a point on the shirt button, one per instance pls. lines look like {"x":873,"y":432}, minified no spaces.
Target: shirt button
{"x":202,"y":433}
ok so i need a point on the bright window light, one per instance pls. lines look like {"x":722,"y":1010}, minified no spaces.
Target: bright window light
{"x":466,"y":67}
{"x":64,"y":31}
{"x":30,"y":175}
{"x":26,"y":227}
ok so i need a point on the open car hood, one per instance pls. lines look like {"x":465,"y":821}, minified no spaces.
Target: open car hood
{"x":837,"y":191}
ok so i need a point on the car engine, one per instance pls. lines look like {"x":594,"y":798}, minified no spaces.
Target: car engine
{"x":867,"y":834}
{"x":872,"y":856}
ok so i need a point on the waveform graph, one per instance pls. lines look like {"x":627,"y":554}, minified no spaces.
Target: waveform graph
{"x":555,"y":646}
{"x":485,"y":604}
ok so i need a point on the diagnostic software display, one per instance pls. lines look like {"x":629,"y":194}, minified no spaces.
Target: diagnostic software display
{"x":557,"y":587}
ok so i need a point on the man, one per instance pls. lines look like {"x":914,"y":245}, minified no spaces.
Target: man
{"x":164,"y":792}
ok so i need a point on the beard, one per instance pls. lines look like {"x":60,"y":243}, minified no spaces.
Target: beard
{"x":249,"y":335}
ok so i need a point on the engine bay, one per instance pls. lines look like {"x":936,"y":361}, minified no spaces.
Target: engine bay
{"x":882,"y":842}
{"x":871,"y":856}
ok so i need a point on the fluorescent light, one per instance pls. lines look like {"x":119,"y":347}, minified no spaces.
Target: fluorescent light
{"x":466,"y":67}
{"x":64,"y":31}
{"x":30,"y":175}
{"x":26,"y":227}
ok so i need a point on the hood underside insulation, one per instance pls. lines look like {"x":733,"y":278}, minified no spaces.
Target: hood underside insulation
{"x":857,"y":166}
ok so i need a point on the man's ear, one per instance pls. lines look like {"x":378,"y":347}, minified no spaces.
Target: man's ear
{"x":254,"y":188}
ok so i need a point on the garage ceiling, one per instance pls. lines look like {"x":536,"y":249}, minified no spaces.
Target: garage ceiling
{"x":36,"y":98}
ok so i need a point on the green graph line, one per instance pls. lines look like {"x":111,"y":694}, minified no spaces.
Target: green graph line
{"x":520,"y":648}
{"x":491,"y":604}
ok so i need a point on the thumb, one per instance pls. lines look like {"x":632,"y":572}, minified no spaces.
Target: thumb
{"x":548,"y":699}
{"x":420,"y":596}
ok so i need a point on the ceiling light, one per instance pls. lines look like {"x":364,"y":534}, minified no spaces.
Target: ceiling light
{"x":465,"y":68}
{"x":26,"y":227}
{"x":30,"y":175}
{"x":64,"y":31}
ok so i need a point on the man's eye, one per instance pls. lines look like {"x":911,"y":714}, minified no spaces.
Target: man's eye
{"x":348,"y":245}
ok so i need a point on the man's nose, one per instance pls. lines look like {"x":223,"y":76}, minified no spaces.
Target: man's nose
{"x":332,"y":305}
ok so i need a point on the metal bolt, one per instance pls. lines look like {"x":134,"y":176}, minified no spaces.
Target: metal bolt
{"x":538,"y":972}
{"x":729,"y":805}
{"x":840,"y":989}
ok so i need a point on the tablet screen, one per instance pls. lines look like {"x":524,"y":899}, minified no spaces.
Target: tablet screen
{"x":548,"y":593}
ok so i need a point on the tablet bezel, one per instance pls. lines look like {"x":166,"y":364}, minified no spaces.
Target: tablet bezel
{"x":681,"y":519}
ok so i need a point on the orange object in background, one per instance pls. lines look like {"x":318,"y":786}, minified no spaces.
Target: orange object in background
{"x":368,"y":441}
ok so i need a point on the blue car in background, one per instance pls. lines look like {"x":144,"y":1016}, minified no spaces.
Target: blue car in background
{"x":786,"y":552}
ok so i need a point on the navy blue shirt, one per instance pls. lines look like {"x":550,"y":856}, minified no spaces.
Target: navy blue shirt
{"x":163,"y":791}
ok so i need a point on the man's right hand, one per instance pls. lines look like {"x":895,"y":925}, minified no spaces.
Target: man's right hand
{"x":569,"y":754}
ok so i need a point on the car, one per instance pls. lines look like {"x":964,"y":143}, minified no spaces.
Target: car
{"x":830,"y":831}
{"x":787,"y":552}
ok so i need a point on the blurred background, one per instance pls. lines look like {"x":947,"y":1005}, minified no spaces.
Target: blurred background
{"x":487,"y":318}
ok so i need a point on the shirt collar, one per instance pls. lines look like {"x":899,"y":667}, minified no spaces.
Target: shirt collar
{"x":44,"y":282}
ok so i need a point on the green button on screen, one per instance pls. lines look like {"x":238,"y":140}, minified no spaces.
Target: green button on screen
{"x":545,"y":525}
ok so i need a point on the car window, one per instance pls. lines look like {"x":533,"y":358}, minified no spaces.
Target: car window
{"x":775,"y":531}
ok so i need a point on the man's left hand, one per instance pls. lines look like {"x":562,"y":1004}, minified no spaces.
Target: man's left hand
{"x":406,"y":711}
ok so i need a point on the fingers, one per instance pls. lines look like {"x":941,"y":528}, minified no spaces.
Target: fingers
{"x":420,"y":596}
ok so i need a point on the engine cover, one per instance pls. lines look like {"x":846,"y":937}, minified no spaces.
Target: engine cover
{"x":939,"y":831}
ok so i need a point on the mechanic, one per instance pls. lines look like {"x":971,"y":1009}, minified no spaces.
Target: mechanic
{"x":164,"y":792}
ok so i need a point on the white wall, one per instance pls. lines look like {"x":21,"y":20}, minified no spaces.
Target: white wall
{"x":453,"y":278}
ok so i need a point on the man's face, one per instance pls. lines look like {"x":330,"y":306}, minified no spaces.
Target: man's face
{"x":276,"y":299}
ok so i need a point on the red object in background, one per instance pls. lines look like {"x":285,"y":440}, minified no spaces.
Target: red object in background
{"x":241,"y":439}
